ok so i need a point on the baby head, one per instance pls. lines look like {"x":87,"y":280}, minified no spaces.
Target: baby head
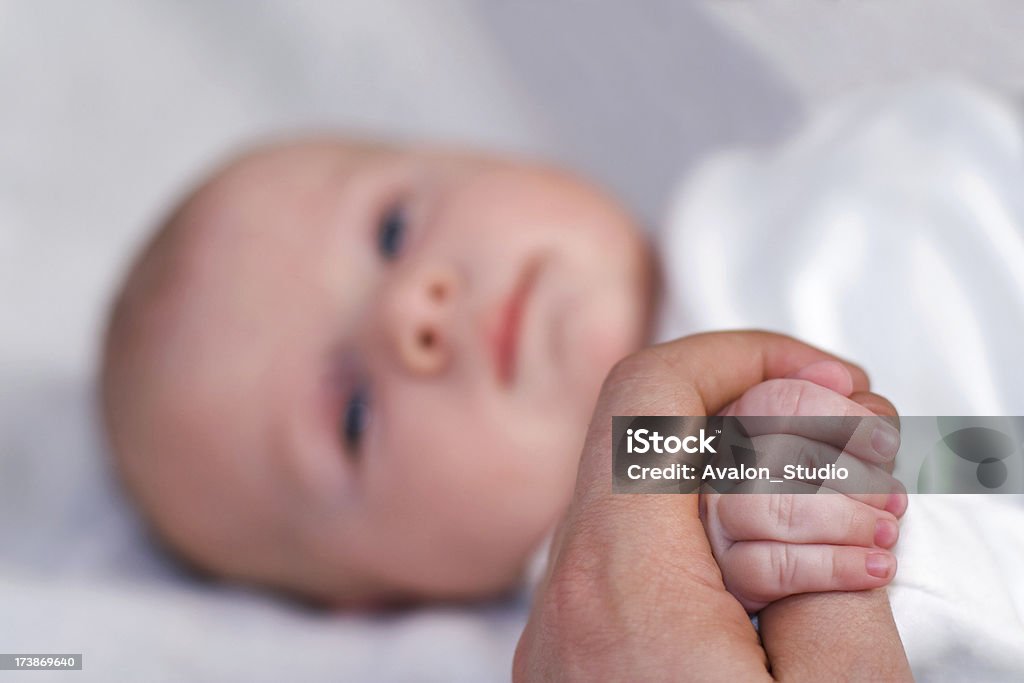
{"x":362,"y":373}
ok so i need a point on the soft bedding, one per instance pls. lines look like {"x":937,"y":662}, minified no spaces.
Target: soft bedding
{"x":109,"y":110}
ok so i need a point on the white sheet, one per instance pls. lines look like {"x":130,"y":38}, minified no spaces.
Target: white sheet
{"x":891,"y":231}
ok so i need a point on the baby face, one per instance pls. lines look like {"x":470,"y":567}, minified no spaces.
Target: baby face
{"x":363,"y":373}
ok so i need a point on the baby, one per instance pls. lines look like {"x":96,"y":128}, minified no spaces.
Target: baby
{"x":362,"y":374}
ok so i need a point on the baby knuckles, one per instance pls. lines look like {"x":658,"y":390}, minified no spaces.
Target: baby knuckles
{"x":803,"y":518}
{"x":793,"y":397}
{"x":761,"y":572}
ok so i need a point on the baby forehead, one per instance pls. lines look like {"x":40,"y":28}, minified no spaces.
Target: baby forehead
{"x":277,"y":168}
{"x":288,"y":185}
{"x":292,"y":192}
{"x":264,"y":183}
{"x":296,"y":202}
{"x":267,"y":207}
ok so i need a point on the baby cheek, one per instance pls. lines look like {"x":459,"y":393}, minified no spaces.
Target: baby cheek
{"x":446,"y":533}
{"x":488,"y":483}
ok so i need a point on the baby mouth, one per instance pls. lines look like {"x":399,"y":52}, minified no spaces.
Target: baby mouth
{"x":506,"y":338}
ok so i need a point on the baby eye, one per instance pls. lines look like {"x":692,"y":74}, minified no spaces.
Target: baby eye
{"x":391,"y":233}
{"x":356,"y":420}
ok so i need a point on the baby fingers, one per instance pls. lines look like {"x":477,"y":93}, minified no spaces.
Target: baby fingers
{"x":805,"y":518}
{"x":794,"y":406}
{"x":864,"y":482}
{"x":774,"y":570}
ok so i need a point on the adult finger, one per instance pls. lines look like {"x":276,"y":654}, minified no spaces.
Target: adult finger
{"x":598,"y":590}
{"x":884,"y":408}
{"x":696,"y":375}
{"x":879,"y":405}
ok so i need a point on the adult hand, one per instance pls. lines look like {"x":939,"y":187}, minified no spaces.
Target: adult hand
{"x":633,"y":591}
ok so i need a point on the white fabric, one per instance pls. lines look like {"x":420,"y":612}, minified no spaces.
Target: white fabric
{"x":891,"y":232}
{"x":108,"y":111}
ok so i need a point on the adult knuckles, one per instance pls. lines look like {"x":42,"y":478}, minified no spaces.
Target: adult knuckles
{"x":640,"y":366}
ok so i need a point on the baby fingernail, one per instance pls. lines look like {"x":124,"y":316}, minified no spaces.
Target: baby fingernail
{"x":886,"y":533}
{"x":897,"y":503}
{"x":886,"y":441}
{"x":880,"y":565}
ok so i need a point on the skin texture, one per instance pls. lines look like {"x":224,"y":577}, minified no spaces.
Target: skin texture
{"x":633,"y":584}
{"x":268,"y":302}
{"x":307,"y":277}
{"x":769,"y":546}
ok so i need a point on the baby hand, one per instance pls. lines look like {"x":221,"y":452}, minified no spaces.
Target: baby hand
{"x":772,"y":545}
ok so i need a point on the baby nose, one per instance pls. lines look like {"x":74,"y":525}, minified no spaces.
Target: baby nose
{"x":423,"y":321}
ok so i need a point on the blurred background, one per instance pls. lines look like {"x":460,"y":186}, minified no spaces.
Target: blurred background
{"x":109,"y":110}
